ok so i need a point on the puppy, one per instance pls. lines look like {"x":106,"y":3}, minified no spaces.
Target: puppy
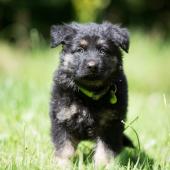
{"x":90,"y":95}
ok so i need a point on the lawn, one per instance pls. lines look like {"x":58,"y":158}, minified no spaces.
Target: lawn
{"x":25,"y":83}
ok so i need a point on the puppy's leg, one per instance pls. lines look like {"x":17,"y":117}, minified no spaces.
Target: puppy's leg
{"x":64,"y":153}
{"x":64,"y":146}
{"x":109,"y":144}
{"x":103,"y":154}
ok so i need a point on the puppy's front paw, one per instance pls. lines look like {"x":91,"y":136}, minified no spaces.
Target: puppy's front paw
{"x":63,"y":163}
{"x":103,"y":155}
{"x":64,"y":154}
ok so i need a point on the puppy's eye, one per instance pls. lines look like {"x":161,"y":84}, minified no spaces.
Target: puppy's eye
{"x":80,"y":50}
{"x":102,"y":51}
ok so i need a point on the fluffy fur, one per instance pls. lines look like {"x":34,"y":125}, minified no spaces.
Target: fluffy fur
{"x":91,"y":58}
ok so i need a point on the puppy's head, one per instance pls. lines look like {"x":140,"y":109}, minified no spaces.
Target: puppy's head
{"x":91,"y":52}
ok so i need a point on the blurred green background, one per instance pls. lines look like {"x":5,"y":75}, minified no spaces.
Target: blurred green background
{"x":20,"y":18}
{"x":27,"y":64}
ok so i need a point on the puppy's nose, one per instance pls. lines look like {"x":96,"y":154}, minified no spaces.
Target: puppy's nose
{"x":92,"y":65}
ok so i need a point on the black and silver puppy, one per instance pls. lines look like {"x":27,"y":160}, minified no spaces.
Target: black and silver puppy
{"x":89,"y":96}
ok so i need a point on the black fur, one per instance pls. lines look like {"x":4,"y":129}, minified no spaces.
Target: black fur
{"x":75,"y":116}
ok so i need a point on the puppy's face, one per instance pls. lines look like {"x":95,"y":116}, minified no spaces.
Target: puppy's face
{"x":91,"y":53}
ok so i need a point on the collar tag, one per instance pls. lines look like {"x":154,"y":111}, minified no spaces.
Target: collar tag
{"x":113,"y":98}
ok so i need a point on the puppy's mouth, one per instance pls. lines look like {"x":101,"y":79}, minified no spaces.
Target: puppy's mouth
{"x":90,"y":80}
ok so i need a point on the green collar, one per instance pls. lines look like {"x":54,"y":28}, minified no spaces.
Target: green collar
{"x":97,"y":96}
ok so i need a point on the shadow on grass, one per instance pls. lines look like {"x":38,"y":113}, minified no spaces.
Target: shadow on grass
{"x":135,"y":158}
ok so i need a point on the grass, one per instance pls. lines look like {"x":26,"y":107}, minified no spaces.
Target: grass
{"x":25,"y":82}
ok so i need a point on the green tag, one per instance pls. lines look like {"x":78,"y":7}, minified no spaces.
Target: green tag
{"x":113,"y":98}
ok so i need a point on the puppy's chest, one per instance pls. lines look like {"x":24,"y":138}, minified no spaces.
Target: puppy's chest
{"x":78,"y":115}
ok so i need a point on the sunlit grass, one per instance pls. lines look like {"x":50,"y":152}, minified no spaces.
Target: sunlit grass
{"x":25,"y":84}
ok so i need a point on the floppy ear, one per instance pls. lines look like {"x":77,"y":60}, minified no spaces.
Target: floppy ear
{"x":60,"y":34}
{"x":119,"y":36}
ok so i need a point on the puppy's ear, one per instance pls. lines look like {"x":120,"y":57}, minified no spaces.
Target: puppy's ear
{"x":119,"y":36}
{"x":60,"y":34}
